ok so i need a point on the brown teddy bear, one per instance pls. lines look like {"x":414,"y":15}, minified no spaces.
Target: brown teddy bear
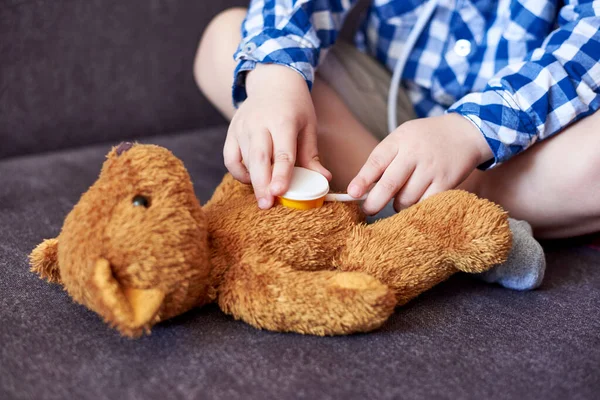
{"x":138,"y":248}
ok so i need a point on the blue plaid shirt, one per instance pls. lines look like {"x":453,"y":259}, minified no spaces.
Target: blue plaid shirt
{"x":520,"y":70}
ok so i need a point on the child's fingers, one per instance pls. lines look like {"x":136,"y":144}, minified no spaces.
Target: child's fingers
{"x":232,"y":156}
{"x":284,"y":158}
{"x":315,"y":165}
{"x":259,"y":165}
{"x":412,"y":190}
{"x":394,"y":177}
{"x":308,"y":153}
{"x":377,"y":163}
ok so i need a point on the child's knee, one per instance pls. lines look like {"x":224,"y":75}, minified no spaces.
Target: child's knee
{"x":218,"y":43}
{"x":589,"y":182}
{"x":585,"y":179}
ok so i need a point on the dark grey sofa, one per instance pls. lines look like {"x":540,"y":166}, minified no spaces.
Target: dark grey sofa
{"x":79,"y":76}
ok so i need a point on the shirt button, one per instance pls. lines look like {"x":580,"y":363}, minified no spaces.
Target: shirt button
{"x":462,"y":47}
{"x":249,"y":48}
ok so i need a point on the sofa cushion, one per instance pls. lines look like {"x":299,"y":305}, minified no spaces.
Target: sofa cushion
{"x":79,"y":72}
{"x":463,"y":339}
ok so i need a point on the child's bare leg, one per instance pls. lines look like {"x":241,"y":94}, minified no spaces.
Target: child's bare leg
{"x":214,"y":64}
{"x":344,"y":144}
{"x":555,"y":185}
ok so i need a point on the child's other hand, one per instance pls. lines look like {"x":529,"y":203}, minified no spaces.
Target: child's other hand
{"x":272,"y":129}
{"x":420,"y":158}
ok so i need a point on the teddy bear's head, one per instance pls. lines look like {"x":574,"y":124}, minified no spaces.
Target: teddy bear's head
{"x":147,"y":236}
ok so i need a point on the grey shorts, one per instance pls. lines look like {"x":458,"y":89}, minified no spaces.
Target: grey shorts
{"x":363,"y":84}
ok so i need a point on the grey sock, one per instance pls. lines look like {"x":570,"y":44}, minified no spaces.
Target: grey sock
{"x":524,"y":269}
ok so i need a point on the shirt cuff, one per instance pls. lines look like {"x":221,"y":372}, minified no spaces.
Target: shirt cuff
{"x":507,"y":129}
{"x":273,"y":46}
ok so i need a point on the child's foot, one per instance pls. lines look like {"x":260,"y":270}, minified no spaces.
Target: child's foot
{"x":524,"y":269}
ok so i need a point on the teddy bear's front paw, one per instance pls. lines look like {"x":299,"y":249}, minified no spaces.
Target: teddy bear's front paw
{"x":268,"y":294}
{"x":358,"y":303}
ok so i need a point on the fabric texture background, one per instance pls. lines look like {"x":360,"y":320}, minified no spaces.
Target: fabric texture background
{"x":77,"y":72}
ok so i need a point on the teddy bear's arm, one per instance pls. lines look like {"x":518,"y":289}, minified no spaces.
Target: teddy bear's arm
{"x":228,"y":189}
{"x":425,"y":244}
{"x":271,"y":295}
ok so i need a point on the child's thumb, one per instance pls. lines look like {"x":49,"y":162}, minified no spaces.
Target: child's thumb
{"x":308,"y":153}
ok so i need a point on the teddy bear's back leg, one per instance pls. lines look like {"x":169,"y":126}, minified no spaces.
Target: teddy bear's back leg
{"x":271,"y":295}
{"x":425,"y":244}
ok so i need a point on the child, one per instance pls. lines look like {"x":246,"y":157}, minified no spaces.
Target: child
{"x":488,"y":80}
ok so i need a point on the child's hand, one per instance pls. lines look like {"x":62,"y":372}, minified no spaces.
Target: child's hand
{"x":420,"y":158}
{"x":274,"y":127}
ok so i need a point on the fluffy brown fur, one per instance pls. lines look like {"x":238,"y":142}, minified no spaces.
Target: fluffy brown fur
{"x":321,"y":271}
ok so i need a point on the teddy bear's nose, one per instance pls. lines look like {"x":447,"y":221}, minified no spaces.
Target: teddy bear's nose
{"x":123,"y":147}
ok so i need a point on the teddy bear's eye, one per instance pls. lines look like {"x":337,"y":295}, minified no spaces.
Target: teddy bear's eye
{"x":141,"y":201}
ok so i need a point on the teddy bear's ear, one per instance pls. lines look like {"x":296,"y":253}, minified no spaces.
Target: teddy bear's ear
{"x":130,"y":310}
{"x":120,"y":149}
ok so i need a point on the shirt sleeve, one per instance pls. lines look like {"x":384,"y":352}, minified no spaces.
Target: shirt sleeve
{"x":293,"y":33}
{"x":556,"y":85}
